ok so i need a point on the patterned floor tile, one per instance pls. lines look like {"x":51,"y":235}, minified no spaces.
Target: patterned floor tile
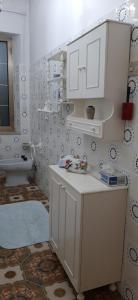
{"x":2,"y":191}
{"x":22,"y":291}
{"x":34,"y":195}
{"x":10,"y":275}
{"x":61,"y":291}
{"x":3,"y":201}
{"x":45,"y":203}
{"x":102,"y":293}
{"x":39,"y":247}
{"x":43,"y":268}
{"x":15,"y":190}
{"x":16,"y":198}
{"x":11,"y":258}
{"x":3,"y":196}
{"x":32,"y":188}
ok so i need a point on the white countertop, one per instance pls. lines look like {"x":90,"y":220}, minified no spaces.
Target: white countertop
{"x":83,"y":183}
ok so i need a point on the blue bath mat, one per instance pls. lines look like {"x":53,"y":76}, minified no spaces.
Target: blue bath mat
{"x":23,"y":224}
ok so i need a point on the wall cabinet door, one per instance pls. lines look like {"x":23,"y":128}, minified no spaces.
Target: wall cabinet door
{"x":95,"y":54}
{"x":86,"y":65}
{"x":54,"y":213}
{"x":74,"y":71}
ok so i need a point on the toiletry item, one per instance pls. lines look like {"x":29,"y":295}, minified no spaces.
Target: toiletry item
{"x":127,"y":108}
{"x":63,"y":160}
{"x":73,"y":164}
{"x":90,"y":112}
{"x":77,"y":165}
{"x":113,"y":178}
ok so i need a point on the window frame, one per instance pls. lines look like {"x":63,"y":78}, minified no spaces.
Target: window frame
{"x":10,"y":128}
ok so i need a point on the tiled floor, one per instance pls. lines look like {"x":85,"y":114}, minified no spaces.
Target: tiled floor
{"x":34,"y":273}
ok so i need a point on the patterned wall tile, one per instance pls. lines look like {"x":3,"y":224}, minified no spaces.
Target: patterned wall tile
{"x":11,"y":145}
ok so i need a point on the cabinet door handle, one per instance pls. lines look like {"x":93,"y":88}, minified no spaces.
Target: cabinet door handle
{"x":62,"y":186}
{"x":93,"y":129}
{"x":81,"y":68}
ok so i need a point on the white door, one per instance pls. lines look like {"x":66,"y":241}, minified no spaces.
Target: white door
{"x":54,"y":212}
{"x":94,"y":70}
{"x":74,"y":70}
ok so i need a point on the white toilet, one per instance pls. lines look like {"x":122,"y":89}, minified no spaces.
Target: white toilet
{"x":16,"y":170}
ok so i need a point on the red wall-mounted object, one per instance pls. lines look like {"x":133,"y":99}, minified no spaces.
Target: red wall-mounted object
{"x":127,"y":111}
{"x":127,"y":108}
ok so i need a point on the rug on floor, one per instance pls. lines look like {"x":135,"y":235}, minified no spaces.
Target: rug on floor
{"x":23,"y":224}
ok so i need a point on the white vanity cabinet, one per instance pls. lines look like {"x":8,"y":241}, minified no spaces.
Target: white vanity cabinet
{"x":94,"y":59}
{"x":65,"y":226}
{"x":87,"y":221}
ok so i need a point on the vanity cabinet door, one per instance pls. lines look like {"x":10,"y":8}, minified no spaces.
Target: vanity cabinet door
{"x":65,"y":220}
{"x":62,"y":214}
{"x":94,"y":71}
{"x":54,"y":213}
{"x":72,"y":237}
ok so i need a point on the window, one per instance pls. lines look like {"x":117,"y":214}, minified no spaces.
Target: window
{"x":6,"y":86}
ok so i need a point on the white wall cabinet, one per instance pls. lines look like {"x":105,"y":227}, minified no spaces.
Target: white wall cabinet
{"x":97,"y":74}
{"x":92,"y":63}
{"x":87,"y":221}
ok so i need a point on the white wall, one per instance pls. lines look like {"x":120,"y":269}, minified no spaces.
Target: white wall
{"x":16,"y":5}
{"x":53,"y":22}
{"x":12,"y":21}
